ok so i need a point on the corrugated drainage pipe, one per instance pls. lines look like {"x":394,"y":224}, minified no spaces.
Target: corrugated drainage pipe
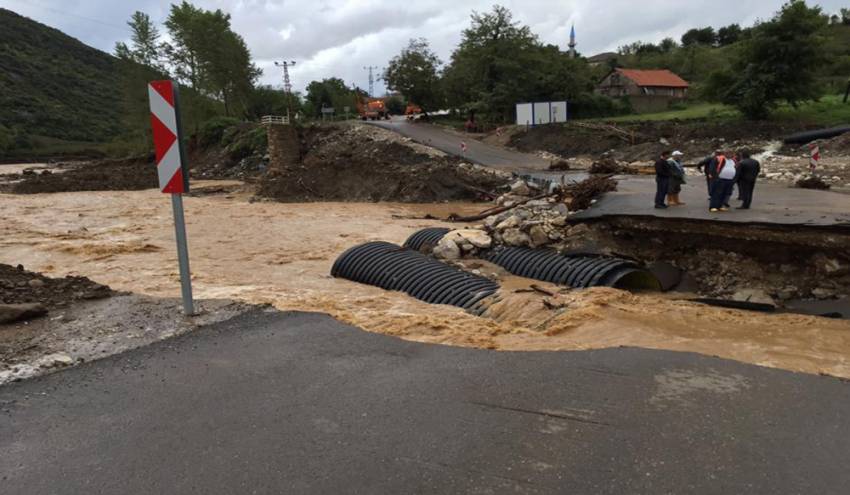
{"x":391,"y":267}
{"x":426,"y":240}
{"x":574,"y":271}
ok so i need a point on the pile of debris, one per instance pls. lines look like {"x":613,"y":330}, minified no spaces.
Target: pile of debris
{"x":128,"y":174}
{"x":812,"y":182}
{"x":608,"y":165}
{"x":459,"y":243}
{"x":359,"y":162}
{"x":241,"y":153}
{"x":25,"y":294}
{"x":534,"y":216}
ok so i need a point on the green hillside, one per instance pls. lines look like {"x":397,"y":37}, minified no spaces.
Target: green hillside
{"x":53,"y":85}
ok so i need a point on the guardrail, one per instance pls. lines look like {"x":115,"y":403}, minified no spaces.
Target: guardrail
{"x":274,"y":120}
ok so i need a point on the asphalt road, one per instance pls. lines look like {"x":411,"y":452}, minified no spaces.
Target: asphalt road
{"x":299,"y":403}
{"x":477,"y":152}
{"x":772,"y":204}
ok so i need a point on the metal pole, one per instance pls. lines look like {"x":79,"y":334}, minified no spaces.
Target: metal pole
{"x":182,"y":254}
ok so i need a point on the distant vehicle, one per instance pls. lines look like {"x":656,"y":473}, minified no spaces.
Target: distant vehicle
{"x":372,"y":109}
{"x":412,"y":111}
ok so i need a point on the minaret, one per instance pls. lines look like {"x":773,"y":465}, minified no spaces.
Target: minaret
{"x":572,"y":44}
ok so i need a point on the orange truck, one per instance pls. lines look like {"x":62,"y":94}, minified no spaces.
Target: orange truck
{"x":372,"y":109}
{"x":412,"y":111}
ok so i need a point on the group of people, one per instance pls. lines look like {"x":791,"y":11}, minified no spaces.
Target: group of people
{"x":722,"y":174}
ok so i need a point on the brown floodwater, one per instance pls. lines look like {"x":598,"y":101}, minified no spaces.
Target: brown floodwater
{"x":281,"y":254}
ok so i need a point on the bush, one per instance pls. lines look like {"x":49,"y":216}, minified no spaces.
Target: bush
{"x":212,"y":131}
{"x":7,"y":138}
{"x":245,"y":140}
{"x":589,"y":105}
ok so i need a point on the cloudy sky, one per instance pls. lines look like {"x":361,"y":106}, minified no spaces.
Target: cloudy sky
{"x":340,"y":37}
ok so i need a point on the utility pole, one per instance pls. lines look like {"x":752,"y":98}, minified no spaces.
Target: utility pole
{"x":371,"y":79}
{"x":287,"y":86}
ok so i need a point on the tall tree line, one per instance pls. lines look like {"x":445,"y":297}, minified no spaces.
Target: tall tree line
{"x":204,"y":53}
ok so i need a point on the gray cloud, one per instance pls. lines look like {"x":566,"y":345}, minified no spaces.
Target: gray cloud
{"x":339,"y":37}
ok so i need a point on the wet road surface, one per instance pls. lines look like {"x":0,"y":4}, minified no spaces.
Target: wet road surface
{"x":477,"y":152}
{"x":772,"y":204}
{"x":275,"y":402}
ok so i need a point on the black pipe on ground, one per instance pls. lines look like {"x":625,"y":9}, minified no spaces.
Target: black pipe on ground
{"x":426,"y":240}
{"x":809,"y":136}
{"x":574,"y":271}
{"x":391,"y":267}
{"x":578,"y":271}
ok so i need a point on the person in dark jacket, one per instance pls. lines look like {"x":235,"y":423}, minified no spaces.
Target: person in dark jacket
{"x":702,"y":166}
{"x":748,"y":172}
{"x":662,"y":179}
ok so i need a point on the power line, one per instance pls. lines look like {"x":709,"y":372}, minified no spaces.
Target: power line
{"x":372,"y":78}
{"x":31,"y":3}
{"x":287,"y":85}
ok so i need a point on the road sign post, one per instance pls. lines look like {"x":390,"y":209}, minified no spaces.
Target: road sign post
{"x":172,"y":170}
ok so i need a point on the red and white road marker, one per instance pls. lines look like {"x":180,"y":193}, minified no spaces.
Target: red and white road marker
{"x":815,"y":157}
{"x":463,"y":147}
{"x":172,"y":170}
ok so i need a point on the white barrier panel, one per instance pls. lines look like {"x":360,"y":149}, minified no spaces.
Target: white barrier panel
{"x":541,"y":113}
{"x":524,"y":114}
{"x":559,"y":111}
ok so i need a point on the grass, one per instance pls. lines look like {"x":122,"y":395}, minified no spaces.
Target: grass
{"x":828,"y":111}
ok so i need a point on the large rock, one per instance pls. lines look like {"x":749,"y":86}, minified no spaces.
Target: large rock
{"x":515,"y":237}
{"x":476,"y":237}
{"x":539,"y":237}
{"x":447,"y":249}
{"x":756,"y":296}
{"x":10,"y":313}
{"x":520,"y":188}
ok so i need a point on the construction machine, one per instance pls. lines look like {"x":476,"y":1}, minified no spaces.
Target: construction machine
{"x":372,"y":109}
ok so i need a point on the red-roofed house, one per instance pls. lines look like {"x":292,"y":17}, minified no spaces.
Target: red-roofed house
{"x":648,"y":90}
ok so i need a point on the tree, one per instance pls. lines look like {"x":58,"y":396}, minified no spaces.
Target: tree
{"x":207,"y":54}
{"x":494,"y":66}
{"x":330,"y":93}
{"x":145,"y":42}
{"x":703,"y":36}
{"x":415,"y":74}
{"x":845,"y":16}
{"x":667,"y":45}
{"x":729,"y":34}
{"x":778,"y":63}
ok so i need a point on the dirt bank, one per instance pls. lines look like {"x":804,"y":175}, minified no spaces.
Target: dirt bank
{"x":129,"y":174}
{"x":357,"y":162}
{"x":642,"y":141}
{"x":247,"y":251}
{"x":18,"y":285}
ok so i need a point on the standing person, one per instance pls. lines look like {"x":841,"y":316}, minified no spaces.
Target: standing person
{"x":677,"y":178}
{"x":748,"y":172}
{"x":734,"y":161}
{"x":712,"y":169}
{"x":703,"y":166}
{"x":721,"y":188}
{"x":662,"y":179}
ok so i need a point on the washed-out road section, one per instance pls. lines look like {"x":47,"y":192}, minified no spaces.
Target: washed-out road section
{"x":272,"y":402}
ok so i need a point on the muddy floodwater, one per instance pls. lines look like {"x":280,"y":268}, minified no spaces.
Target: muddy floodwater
{"x":281,"y":254}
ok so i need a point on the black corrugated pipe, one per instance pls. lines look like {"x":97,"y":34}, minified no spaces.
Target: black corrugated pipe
{"x":574,"y":271}
{"x":426,"y":240}
{"x":391,"y":267}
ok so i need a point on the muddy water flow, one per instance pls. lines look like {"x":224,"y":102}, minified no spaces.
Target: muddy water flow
{"x":281,"y":254}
